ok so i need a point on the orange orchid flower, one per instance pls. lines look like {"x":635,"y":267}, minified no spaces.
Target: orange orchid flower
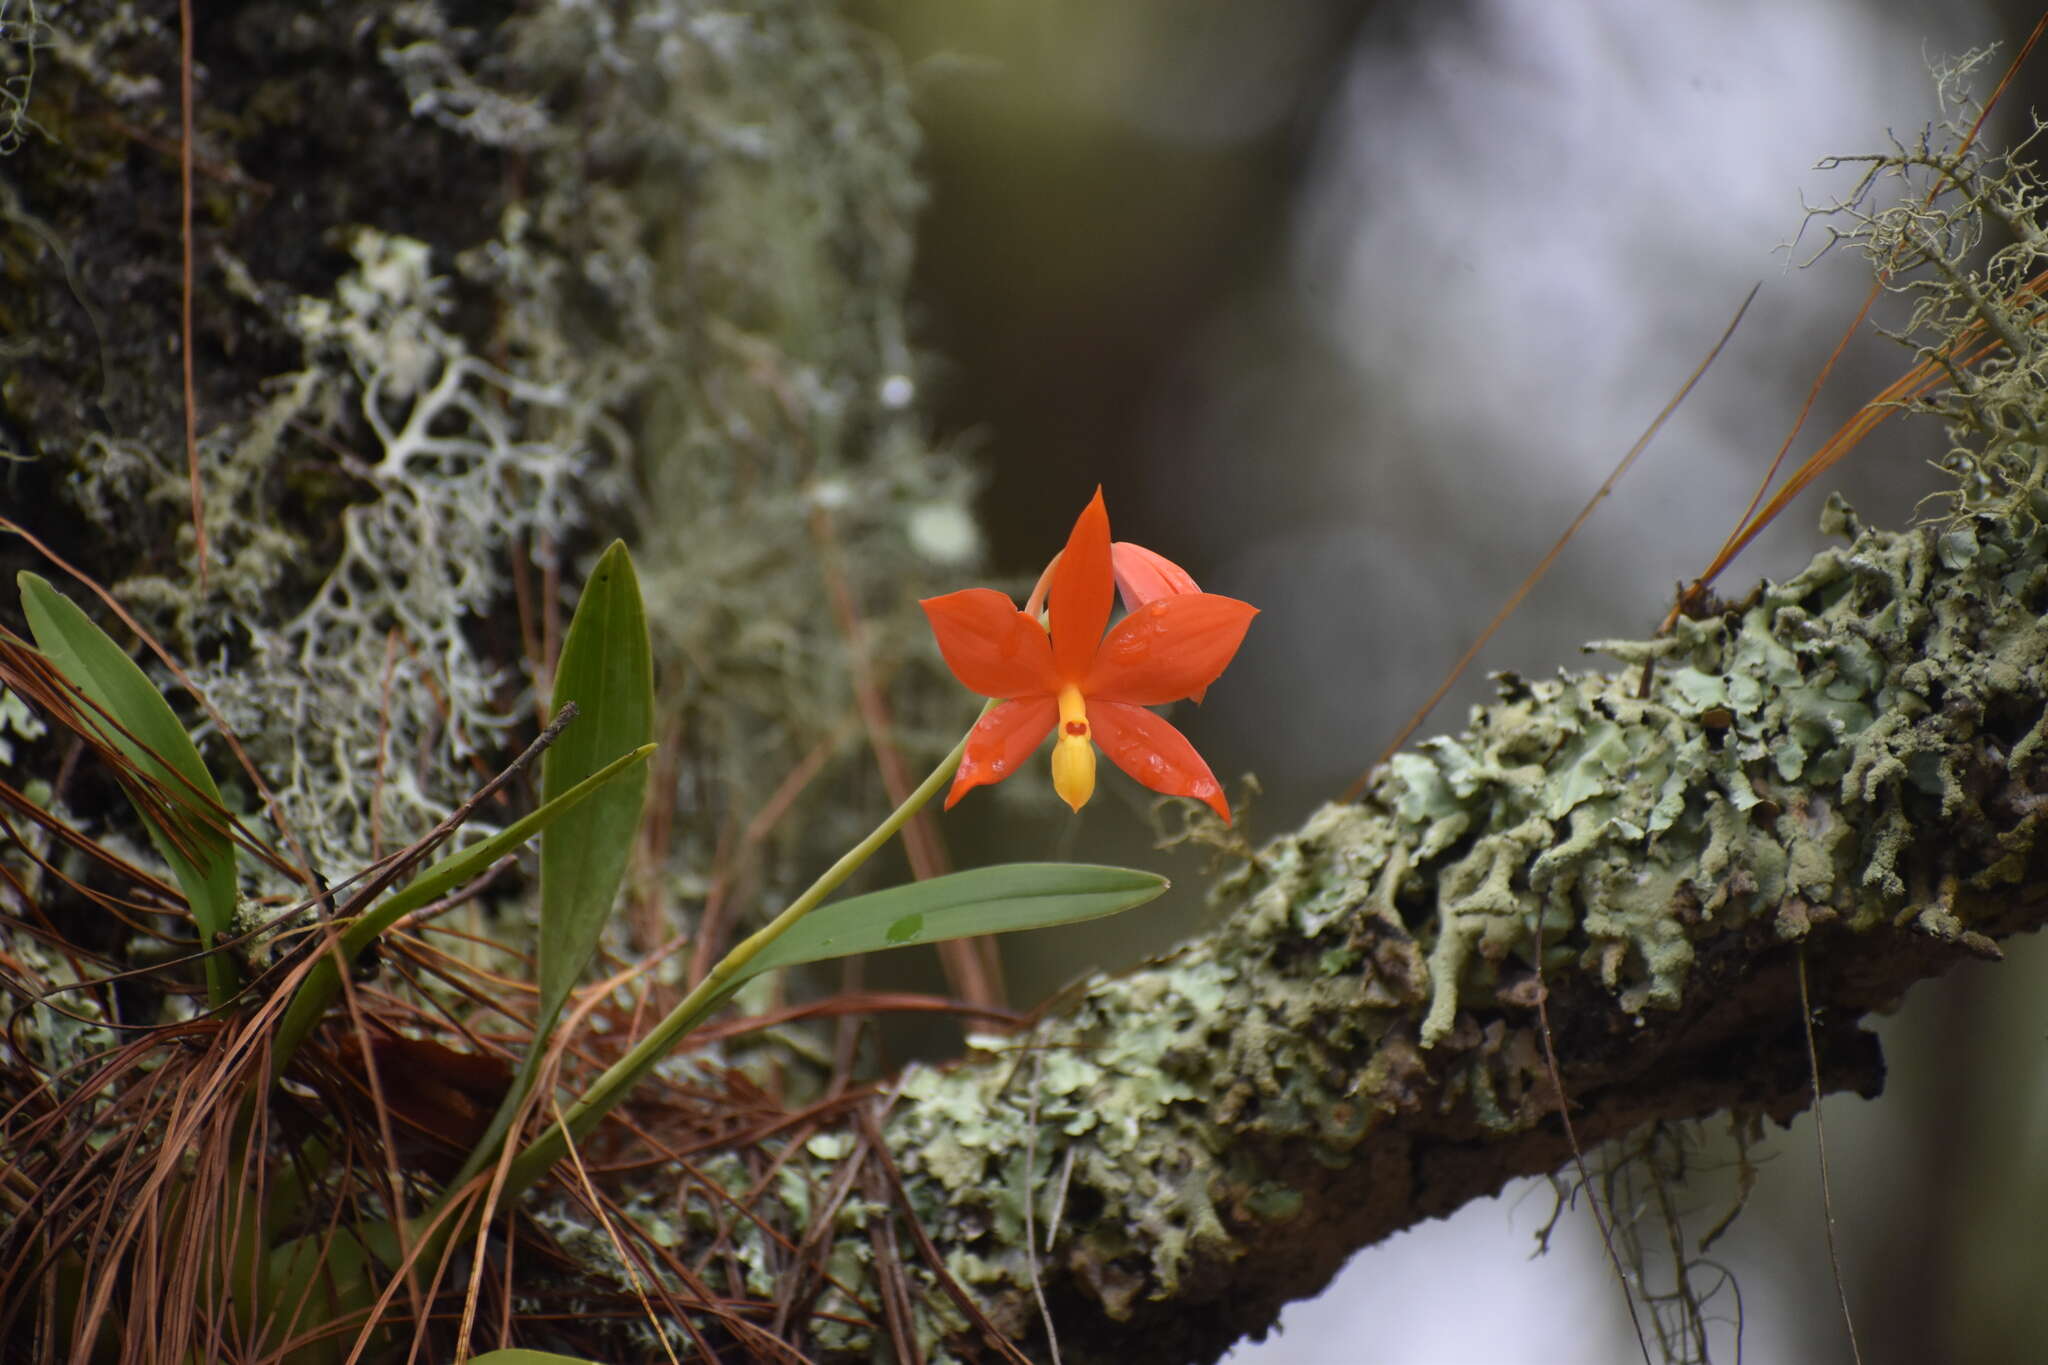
{"x":1094,"y":687}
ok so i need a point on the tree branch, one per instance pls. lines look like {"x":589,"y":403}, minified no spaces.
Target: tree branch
{"x":1849,"y":766}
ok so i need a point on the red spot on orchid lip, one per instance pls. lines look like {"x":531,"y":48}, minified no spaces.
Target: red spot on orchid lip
{"x":1077,"y":727}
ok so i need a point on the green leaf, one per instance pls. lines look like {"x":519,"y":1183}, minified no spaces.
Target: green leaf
{"x":457,"y":868}
{"x":190,"y":835}
{"x":444,"y":876}
{"x":519,"y":1356}
{"x":607,"y":669}
{"x":986,"y":900}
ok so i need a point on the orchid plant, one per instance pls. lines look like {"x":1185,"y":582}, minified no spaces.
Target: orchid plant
{"x":1048,"y":664}
{"x":1056,"y":668}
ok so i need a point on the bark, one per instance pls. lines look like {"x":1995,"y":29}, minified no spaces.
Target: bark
{"x":654,"y":254}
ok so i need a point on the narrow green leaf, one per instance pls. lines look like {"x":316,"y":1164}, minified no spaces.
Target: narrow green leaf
{"x":450,"y":872}
{"x":515,"y":1355}
{"x":199,"y":851}
{"x":607,"y":669}
{"x":457,"y":868}
{"x":315,"y":1280}
{"x":986,"y":900}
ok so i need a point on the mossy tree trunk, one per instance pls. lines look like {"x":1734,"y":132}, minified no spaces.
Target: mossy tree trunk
{"x":473,"y":288}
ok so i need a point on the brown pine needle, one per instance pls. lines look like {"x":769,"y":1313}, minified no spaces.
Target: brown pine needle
{"x":185,"y":296}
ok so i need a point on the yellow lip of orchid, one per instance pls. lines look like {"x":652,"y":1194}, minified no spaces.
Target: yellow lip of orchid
{"x":1073,"y":753}
{"x":1094,"y":687}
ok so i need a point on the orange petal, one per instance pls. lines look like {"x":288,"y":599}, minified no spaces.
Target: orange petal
{"x":1001,"y":740}
{"x":1144,"y":575}
{"x":992,"y":648}
{"x":1168,"y":649}
{"x":1154,"y":753}
{"x":1081,"y":591}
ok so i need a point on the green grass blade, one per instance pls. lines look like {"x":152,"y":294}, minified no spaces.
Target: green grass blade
{"x":986,"y":900}
{"x":607,"y":669}
{"x":201,"y":855}
{"x":320,"y":985}
{"x":457,"y":868}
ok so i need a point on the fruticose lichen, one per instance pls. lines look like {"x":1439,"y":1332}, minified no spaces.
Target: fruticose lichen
{"x":467,"y":462}
{"x":21,"y":34}
{"x":655,"y":285}
{"x":1923,"y":214}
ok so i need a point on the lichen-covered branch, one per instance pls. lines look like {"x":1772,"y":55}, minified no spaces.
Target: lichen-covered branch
{"x":1839,"y":784}
{"x":1851,"y":768}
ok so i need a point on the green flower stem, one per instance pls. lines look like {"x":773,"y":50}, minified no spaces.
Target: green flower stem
{"x":605,"y":1093}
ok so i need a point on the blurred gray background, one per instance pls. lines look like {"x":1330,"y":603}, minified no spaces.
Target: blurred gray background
{"x":1350,"y":308}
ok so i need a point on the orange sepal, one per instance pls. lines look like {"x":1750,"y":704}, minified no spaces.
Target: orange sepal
{"x":1154,"y":753}
{"x":1000,"y":741}
{"x":1170,"y":648}
{"x":992,"y":648}
{"x":1082,"y":591}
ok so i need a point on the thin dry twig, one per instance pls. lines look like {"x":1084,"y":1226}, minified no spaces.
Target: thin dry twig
{"x":1564,"y":1114}
{"x":1820,"y":1142}
{"x":1543,"y":565}
{"x":890,"y":1281}
{"x":864,"y":1115}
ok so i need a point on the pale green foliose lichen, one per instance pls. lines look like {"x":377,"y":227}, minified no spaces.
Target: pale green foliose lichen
{"x":1768,"y":779}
